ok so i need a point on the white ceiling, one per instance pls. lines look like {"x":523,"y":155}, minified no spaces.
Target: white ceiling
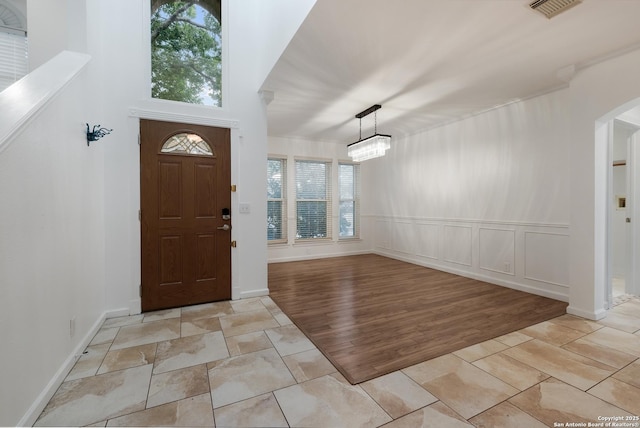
{"x":429,"y":62}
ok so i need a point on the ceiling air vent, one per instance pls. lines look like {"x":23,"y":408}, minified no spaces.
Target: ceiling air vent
{"x":551,"y":8}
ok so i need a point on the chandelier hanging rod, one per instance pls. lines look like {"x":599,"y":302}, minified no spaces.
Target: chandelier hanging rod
{"x":368,"y":111}
{"x":371,"y":147}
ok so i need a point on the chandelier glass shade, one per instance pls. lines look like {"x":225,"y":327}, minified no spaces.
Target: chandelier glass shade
{"x":371,"y":147}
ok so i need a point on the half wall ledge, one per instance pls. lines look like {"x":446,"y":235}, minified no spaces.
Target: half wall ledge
{"x":20,"y":102}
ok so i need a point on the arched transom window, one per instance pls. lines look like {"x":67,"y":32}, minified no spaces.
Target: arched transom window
{"x":189,"y":144}
{"x":14,"y":61}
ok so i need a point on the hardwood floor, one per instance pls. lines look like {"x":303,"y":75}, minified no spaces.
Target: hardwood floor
{"x":371,"y":315}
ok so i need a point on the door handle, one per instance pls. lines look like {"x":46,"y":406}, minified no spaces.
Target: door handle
{"x":224,"y":227}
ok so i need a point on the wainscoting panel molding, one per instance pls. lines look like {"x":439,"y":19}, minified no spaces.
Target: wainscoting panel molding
{"x":497,"y":250}
{"x":527,"y":256}
{"x":403,"y":237}
{"x":428,"y":240}
{"x":457,"y":244}
{"x":545,"y":255}
{"x":382,"y":233}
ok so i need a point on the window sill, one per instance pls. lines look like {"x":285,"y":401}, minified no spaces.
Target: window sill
{"x":349,"y":240}
{"x":311,"y":242}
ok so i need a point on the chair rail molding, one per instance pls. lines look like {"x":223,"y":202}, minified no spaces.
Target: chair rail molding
{"x":524,"y":255}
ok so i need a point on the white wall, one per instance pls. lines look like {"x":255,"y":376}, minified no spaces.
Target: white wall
{"x":120,"y":45}
{"x":72,"y":247}
{"x":274,"y":23}
{"x":292,"y":148}
{"x":597,"y":94}
{"x":515,"y":196}
{"x":485,"y":197}
{"x":632,"y":280}
{"x":51,"y":251}
{"x":53,"y":26}
{"x":631,"y":116}
{"x":621,"y":135}
{"x":452,"y":197}
{"x":618,"y":226}
{"x":526,"y":183}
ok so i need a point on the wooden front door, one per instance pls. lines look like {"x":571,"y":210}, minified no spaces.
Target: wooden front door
{"x":185,"y":198}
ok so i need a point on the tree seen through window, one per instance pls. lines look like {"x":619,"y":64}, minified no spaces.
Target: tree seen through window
{"x":186,"y":51}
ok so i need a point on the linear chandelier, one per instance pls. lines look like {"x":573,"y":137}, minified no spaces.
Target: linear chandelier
{"x":371,"y":147}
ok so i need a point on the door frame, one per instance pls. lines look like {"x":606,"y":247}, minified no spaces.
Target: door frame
{"x":190,"y":119}
{"x":632,"y":272}
{"x":632,"y":284}
{"x":185,"y":260}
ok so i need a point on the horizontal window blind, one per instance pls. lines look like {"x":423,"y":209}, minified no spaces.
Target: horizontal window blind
{"x":14,"y":61}
{"x":313,"y":199}
{"x":276,"y":200}
{"x":349,"y":180}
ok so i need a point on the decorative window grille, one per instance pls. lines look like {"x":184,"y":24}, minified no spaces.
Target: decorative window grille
{"x":189,"y":144}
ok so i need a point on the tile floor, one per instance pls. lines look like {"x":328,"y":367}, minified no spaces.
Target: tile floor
{"x":619,"y":293}
{"x":244,"y":364}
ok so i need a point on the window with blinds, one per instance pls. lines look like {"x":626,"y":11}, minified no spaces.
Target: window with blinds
{"x":349,"y":184}
{"x":313,"y":199}
{"x":14,"y":61}
{"x":276,"y":200}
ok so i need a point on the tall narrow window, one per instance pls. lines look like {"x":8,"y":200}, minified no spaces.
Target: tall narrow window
{"x":276,"y":200}
{"x":14,"y":61}
{"x":186,"y":51}
{"x":313,"y":199}
{"x":348,"y":180}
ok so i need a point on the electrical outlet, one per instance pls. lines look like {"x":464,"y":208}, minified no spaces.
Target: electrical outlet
{"x":244,"y":208}
{"x":507,"y":267}
{"x":72,"y":327}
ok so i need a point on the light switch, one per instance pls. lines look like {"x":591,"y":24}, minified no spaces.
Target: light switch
{"x":245,"y":208}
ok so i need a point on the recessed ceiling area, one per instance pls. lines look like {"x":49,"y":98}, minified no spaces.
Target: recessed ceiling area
{"x":429,"y":62}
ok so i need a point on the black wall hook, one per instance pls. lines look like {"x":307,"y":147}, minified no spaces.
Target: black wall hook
{"x":96,"y":133}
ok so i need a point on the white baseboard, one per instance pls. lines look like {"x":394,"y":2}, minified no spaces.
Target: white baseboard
{"x":508,"y":284}
{"x":40,"y":403}
{"x":316,"y":256}
{"x":116,"y":313}
{"x":590,"y":315}
{"x":254,"y":293}
{"x":135,"y":307}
